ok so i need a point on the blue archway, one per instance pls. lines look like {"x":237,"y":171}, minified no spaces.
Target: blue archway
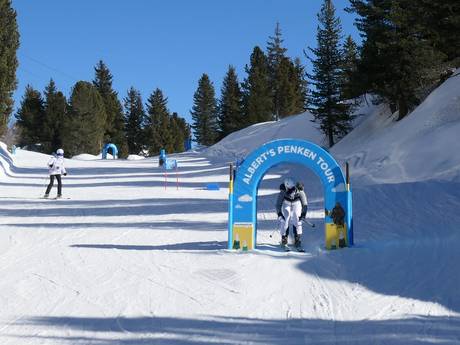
{"x":112,"y":147}
{"x":245,"y":180}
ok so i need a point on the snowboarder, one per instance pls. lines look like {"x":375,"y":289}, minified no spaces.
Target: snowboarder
{"x":291,"y":206}
{"x":56,"y":169}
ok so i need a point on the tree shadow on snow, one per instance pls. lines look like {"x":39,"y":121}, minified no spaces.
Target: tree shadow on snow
{"x":239,"y":330}
{"x":397,"y":252}
{"x":205,"y":245}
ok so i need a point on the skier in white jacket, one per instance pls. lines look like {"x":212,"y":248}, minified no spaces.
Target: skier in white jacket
{"x":291,"y":207}
{"x":56,"y":169}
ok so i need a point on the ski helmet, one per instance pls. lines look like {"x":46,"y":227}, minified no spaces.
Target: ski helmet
{"x":289,"y":183}
{"x":60,"y":152}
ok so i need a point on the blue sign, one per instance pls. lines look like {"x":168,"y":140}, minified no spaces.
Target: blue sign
{"x":243,"y":193}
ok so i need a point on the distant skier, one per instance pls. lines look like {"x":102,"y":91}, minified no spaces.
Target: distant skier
{"x":291,"y":207}
{"x":56,"y":169}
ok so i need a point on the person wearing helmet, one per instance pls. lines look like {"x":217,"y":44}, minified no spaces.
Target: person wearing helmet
{"x":56,"y":169}
{"x":291,"y":206}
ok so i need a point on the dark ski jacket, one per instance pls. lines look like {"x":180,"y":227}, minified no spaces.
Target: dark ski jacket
{"x":291,"y":196}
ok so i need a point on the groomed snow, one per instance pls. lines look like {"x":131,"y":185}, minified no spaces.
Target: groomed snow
{"x":129,"y":260}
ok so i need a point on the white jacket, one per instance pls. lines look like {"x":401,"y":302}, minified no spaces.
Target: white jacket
{"x":56,"y":166}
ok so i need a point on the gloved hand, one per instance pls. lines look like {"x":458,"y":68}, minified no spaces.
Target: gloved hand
{"x":326,"y":212}
{"x":65,"y":174}
{"x":302,"y":216}
{"x":280,"y":216}
{"x":51,"y":165}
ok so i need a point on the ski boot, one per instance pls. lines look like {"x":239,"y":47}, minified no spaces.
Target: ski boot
{"x":284,"y":243}
{"x":284,"y":240}
{"x":298,"y":243}
{"x":59,"y":196}
{"x":46,"y":196}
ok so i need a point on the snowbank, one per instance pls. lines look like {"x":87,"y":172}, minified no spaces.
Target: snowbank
{"x":239,"y":144}
{"x":134,"y":157}
{"x":89,"y":157}
{"x":6,"y":159}
{"x":423,"y":145}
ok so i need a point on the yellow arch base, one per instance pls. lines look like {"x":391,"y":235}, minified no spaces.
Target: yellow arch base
{"x":243,"y":234}
{"x":333,"y":232}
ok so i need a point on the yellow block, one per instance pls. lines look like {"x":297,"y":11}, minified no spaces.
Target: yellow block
{"x":333,"y":235}
{"x":243,"y":234}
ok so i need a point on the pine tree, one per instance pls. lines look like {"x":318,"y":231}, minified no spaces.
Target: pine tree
{"x":114,"y":127}
{"x":30,"y":117}
{"x":276,"y":55}
{"x":301,"y":86}
{"x":327,"y":105}
{"x":350,"y":89}
{"x":204,"y":113}
{"x":395,"y":61}
{"x":85,"y":123}
{"x":179,"y":135}
{"x":257,"y":92}
{"x":134,"y":121}
{"x":184,"y":129}
{"x":9,"y":38}
{"x":231,"y":116}
{"x":55,"y":116}
{"x":157,"y":128}
{"x":440,"y":22}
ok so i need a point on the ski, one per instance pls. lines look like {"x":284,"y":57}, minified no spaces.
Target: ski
{"x":300,"y":249}
{"x":285,"y":247}
{"x":54,"y":198}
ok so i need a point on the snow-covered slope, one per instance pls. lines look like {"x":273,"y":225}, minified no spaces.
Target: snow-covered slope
{"x":136,"y":256}
{"x":422,"y":146}
{"x":240,"y":143}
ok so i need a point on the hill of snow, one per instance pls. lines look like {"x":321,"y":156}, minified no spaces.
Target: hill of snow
{"x":422,"y":146}
{"x":242,"y":142}
{"x":137,"y":255}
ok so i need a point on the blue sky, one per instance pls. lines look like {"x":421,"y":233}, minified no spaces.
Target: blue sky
{"x":149,"y":44}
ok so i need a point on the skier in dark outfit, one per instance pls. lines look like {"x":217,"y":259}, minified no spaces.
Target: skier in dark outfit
{"x":291,"y":207}
{"x":56,"y":169}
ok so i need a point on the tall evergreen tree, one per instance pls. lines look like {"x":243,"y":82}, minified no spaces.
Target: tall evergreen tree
{"x":30,"y":117}
{"x":231,"y":116}
{"x":327,"y":105}
{"x":257,"y":92}
{"x":135,"y":119}
{"x":276,"y":56}
{"x":55,"y":115}
{"x":286,"y":89}
{"x":179,"y":134}
{"x":440,"y":21}
{"x":114,"y":127}
{"x":395,"y":60}
{"x":9,"y":38}
{"x":158,"y":130}
{"x":301,"y":86}
{"x":204,"y":112}
{"x":350,"y":53}
{"x":85,"y":124}
{"x":184,"y":128}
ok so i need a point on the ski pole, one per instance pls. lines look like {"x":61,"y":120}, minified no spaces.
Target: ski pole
{"x":309,"y":223}
{"x":275,"y":230}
